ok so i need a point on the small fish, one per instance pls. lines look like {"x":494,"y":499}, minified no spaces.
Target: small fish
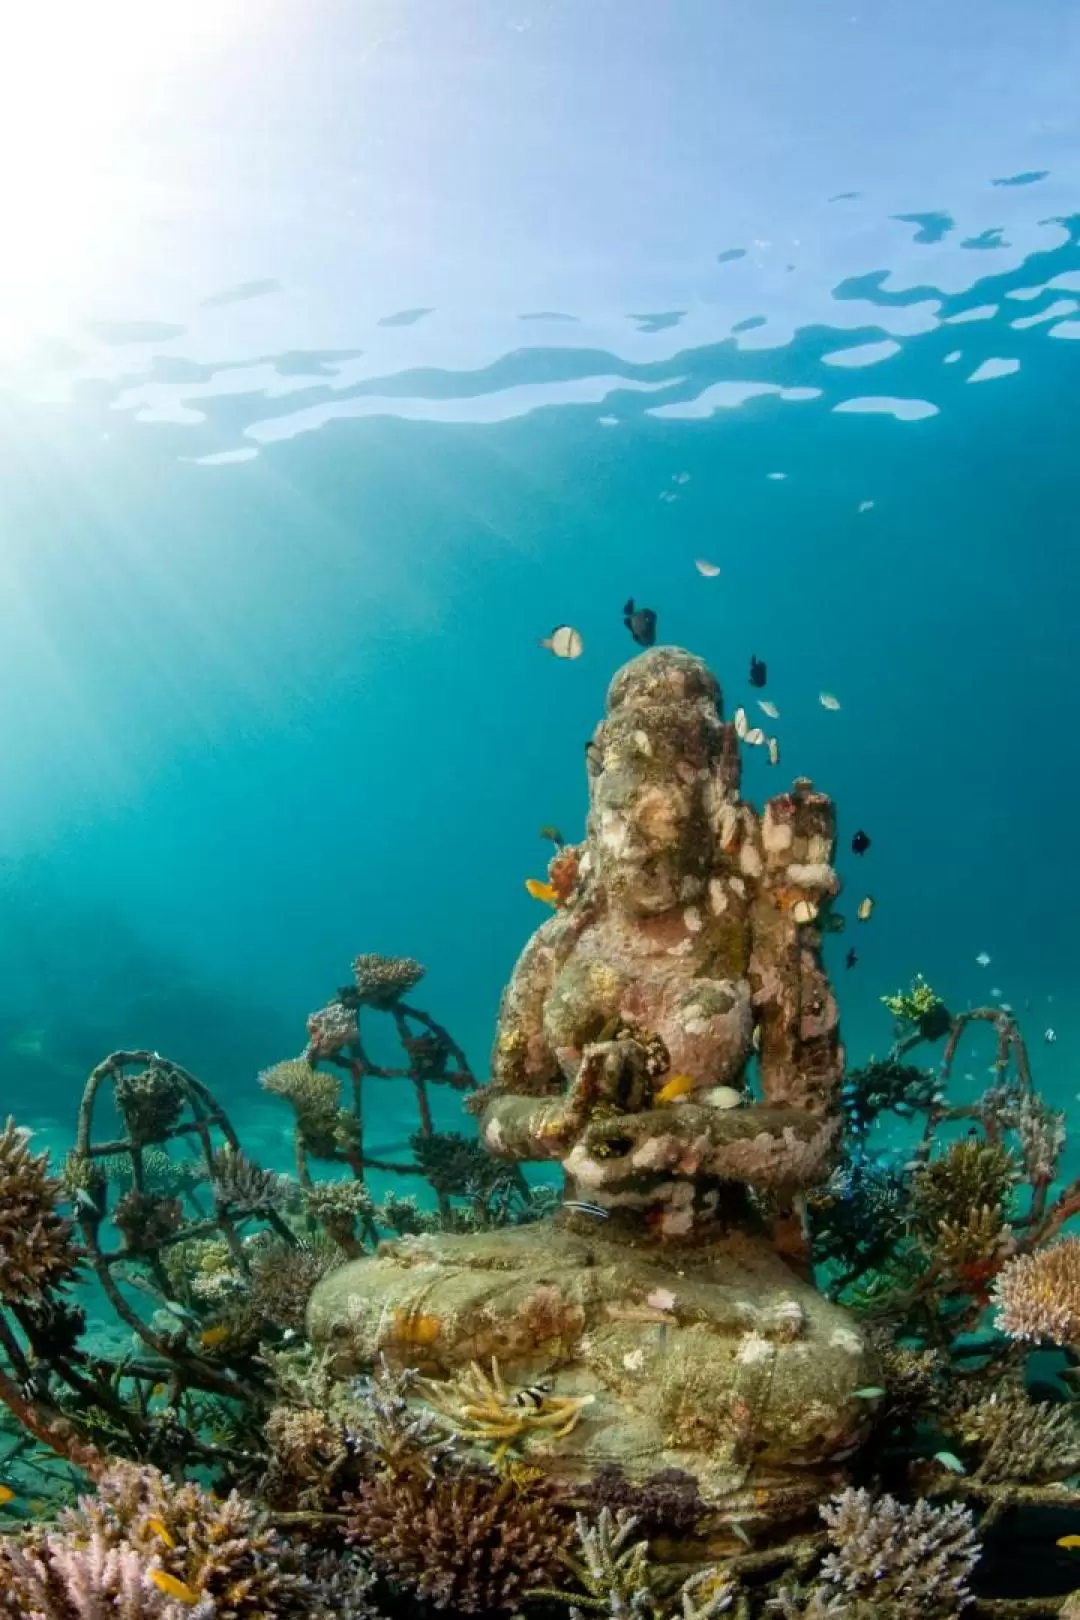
{"x":827,"y":700}
{"x":159,"y":1389}
{"x":741,"y":1533}
{"x":83,"y":1200}
{"x":850,"y":959}
{"x":872,"y":1392}
{"x":755,"y":737}
{"x":949,"y":1460}
{"x":564,"y":641}
{"x":6,"y":1495}
{"x":866,"y":506}
{"x":983,"y":959}
{"x":594,"y":758}
{"x":534,"y":1395}
{"x":777,"y":478}
{"x":997,"y":992}
{"x":552,"y":835}
{"x":774,"y":751}
{"x":145,"y":1286}
{"x":755,"y":1039}
{"x":708,"y":569}
{"x":213,"y":1337}
{"x":641,"y":623}
{"x":723,"y":1097}
{"x":582,"y":1206}
{"x":1071,"y":1542}
{"x":768,"y":708}
{"x":680,"y":478}
{"x":742,"y":724}
{"x":860,"y":843}
{"x":759,"y":671}
{"x":866,"y":909}
{"x":680,"y":1085}
{"x":542,"y":891}
{"x":173,"y":1587}
{"x":1049,"y":1036}
{"x":161,"y":1529}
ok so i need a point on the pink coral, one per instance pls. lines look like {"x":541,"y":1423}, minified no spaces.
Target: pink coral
{"x":1038,"y":1295}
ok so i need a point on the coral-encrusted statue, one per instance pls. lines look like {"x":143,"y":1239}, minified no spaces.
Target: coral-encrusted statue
{"x":657,"y":1308}
{"x":692,"y":929}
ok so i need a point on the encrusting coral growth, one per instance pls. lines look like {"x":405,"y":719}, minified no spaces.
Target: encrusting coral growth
{"x":743,"y":1362}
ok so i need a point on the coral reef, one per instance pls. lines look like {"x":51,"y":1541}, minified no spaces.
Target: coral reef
{"x":381,"y":981}
{"x":37,"y":1249}
{"x":1037,"y":1296}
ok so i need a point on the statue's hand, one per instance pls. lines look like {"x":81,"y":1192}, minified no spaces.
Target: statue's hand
{"x":625,"y":1133}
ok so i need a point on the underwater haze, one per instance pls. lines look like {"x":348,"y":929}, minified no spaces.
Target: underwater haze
{"x":346,"y":350}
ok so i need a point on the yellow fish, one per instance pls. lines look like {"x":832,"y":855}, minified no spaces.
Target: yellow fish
{"x":680,"y":1085}
{"x":213,"y":1336}
{"x":542,"y":891}
{"x":866,"y":909}
{"x":1068,"y":1541}
{"x":173,"y":1587}
{"x":6,"y":1494}
{"x":161,"y":1529}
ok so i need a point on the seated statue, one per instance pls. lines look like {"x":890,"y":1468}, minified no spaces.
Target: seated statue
{"x":679,"y":975}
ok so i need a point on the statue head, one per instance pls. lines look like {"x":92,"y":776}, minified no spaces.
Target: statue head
{"x":659,"y":765}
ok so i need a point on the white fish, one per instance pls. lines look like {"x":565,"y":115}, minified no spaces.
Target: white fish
{"x":827,"y":700}
{"x":755,"y":738}
{"x":708,"y":569}
{"x":723,"y":1097}
{"x":768,"y":708}
{"x":742,"y":724}
{"x":680,"y":478}
{"x":866,"y":909}
{"x":949,"y":1460}
{"x":564,"y":641}
{"x":866,"y":506}
{"x":996,"y":993}
{"x":983,"y":959}
{"x":777,"y":478}
{"x":1049,"y":1036}
{"x":583,"y":1207}
{"x":774,"y":751}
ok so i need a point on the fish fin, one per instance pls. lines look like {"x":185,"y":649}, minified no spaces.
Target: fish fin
{"x":629,"y":608}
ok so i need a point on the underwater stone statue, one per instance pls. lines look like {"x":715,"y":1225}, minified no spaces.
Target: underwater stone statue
{"x":669,"y":1295}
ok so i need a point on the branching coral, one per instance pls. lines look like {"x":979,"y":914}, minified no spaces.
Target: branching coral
{"x":1017,"y":1439}
{"x":1038,"y":1295}
{"x":466,"y":1541}
{"x":308,"y":1449}
{"x":456,"y":1164}
{"x":970,"y":1175}
{"x":920,"y":1008}
{"x":337,"y":1206}
{"x":483,"y":1408}
{"x":324,"y":1125}
{"x":919,"y":1557}
{"x":1040,"y":1131}
{"x":150,"y":1102}
{"x":283,"y":1276}
{"x":244,"y":1189}
{"x":161,"y":1173}
{"x":56,"y":1578}
{"x":381,"y":981}
{"x":403,"y":1215}
{"x":617,"y":1578}
{"x":331,"y":1029}
{"x":147,"y":1220}
{"x":37,"y":1252}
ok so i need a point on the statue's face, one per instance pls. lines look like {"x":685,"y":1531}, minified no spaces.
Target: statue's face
{"x":646,"y":840}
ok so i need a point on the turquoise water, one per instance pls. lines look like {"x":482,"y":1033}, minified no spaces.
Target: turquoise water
{"x":343,"y":359}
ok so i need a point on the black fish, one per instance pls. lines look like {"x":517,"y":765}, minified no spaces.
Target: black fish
{"x":850,"y":959}
{"x":641,"y":623}
{"x":861,"y":842}
{"x":759,"y":672}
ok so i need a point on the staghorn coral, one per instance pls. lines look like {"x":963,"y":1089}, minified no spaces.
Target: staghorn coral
{"x":1037,"y":1296}
{"x":146,"y":1220}
{"x":243,"y":1188}
{"x":219,"y":1549}
{"x":916,"y":1556}
{"x":391,"y":1434}
{"x":325,"y":1127}
{"x":150,"y":1103}
{"x":617,"y":1579}
{"x":466,"y":1541}
{"x":172,"y":1178}
{"x":51,"y":1577}
{"x":970,"y":1175}
{"x":1017,"y":1439}
{"x":963,"y":1246}
{"x":1040,"y":1132}
{"x":308,"y":1449}
{"x":37,"y":1252}
{"x":381,"y":981}
{"x":337,"y":1206}
{"x":330,"y":1029}
{"x":283,"y":1275}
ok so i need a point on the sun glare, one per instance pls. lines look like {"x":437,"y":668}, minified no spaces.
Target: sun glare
{"x":79,"y":82}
